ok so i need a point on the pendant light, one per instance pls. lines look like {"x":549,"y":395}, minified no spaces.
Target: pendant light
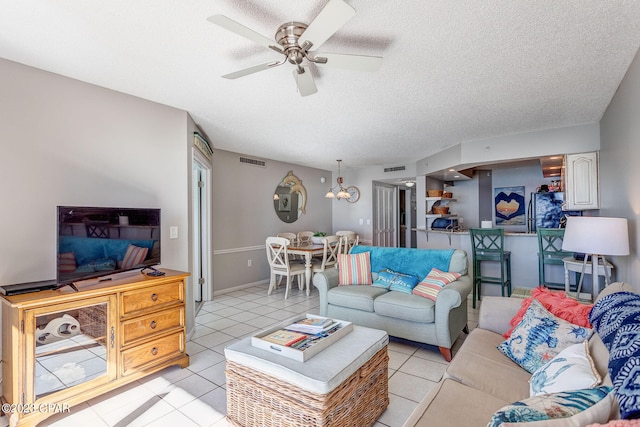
{"x":342,"y":193}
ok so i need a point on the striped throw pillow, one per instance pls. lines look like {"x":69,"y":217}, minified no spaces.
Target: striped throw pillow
{"x":134,"y":256}
{"x":354,"y":269}
{"x":433,"y":283}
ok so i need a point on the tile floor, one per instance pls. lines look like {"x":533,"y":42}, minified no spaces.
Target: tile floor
{"x":195,"y":396}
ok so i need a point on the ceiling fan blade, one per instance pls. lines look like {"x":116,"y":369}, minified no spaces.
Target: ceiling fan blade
{"x":351,"y":62}
{"x":241,"y":30}
{"x":306,"y":85}
{"x":330,"y":19}
{"x":250,"y":70}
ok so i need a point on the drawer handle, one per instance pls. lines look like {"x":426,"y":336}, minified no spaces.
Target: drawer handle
{"x":154,"y":351}
{"x":154,"y":297}
{"x":153,"y":324}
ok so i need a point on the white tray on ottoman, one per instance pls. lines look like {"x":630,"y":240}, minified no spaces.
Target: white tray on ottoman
{"x":343,"y":385}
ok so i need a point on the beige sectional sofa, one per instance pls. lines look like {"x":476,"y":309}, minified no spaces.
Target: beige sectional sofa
{"x":480,"y":380}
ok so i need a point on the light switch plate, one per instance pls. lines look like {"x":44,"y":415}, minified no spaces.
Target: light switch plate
{"x":173,"y":232}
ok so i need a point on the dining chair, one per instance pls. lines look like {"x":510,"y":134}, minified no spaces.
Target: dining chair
{"x":304,"y":237}
{"x":348,"y":239}
{"x":293,"y":240}
{"x":292,"y":237}
{"x":278,"y":257}
{"x":329,"y":255}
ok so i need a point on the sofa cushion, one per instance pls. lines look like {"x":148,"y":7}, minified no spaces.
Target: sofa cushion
{"x":549,"y":406}
{"x":455,"y":404}
{"x":480,"y":365}
{"x":540,"y":336}
{"x":431,"y":285}
{"x":416,"y":262}
{"x":616,"y":317}
{"x":354,"y":296}
{"x":571,"y":369}
{"x":558,"y":304}
{"x":354,"y":269}
{"x":400,"y":305}
{"x":387,"y":278}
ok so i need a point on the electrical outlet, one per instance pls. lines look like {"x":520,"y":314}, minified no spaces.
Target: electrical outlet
{"x":248,"y":263}
{"x":361,"y":221}
{"x":461,"y":220}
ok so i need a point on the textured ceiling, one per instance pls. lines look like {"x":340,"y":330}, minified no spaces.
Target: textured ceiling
{"x":453,"y":70}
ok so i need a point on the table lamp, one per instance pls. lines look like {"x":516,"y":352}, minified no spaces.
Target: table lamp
{"x":596,"y":236}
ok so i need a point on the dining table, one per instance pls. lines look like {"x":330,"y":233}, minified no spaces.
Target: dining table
{"x":308,"y":251}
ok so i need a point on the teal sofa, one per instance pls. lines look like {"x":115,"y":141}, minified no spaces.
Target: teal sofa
{"x":401,"y":314}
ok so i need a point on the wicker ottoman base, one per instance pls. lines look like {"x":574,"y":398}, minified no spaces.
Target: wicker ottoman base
{"x":257,"y":399}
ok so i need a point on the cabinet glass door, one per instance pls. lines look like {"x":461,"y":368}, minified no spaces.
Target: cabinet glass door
{"x":73,"y":345}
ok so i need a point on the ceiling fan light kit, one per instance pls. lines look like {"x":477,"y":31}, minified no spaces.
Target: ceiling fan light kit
{"x":295,"y":41}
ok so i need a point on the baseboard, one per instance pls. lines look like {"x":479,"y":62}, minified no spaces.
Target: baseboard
{"x":240,"y":287}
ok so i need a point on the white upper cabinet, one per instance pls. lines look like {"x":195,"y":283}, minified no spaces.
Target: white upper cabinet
{"x":581,"y":181}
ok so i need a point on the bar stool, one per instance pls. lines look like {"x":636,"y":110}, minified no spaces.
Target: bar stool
{"x":488,"y":245}
{"x":550,"y":253}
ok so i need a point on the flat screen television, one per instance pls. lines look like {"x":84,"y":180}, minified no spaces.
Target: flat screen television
{"x":100,"y":241}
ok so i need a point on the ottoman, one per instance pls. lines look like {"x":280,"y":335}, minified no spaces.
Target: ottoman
{"x":345,"y":384}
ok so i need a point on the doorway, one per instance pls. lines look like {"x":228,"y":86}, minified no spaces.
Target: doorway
{"x":406,"y":218}
{"x":385,"y":214}
{"x":201,"y":230}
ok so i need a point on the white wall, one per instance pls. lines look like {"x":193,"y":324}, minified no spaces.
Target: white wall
{"x":619,"y":167}
{"x":347,"y":216}
{"x":528,"y":145}
{"x":64,"y":142}
{"x":243,"y":215}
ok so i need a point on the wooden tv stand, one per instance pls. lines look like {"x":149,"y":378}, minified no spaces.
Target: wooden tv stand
{"x":120,"y":330}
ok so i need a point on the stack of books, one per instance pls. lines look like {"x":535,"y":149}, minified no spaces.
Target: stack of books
{"x":312,"y":325}
{"x":292,"y":339}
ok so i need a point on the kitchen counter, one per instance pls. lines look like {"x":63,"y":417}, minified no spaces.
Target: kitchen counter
{"x":466,"y":232}
{"x":524,"y":256}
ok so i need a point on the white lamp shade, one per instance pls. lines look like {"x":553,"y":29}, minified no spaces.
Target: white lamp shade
{"x":596,"y":235}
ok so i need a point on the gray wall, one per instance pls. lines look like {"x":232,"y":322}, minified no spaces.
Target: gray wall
{"x":619,"y":167}
{"x":244,"y":216}
{"x":65,"y":142}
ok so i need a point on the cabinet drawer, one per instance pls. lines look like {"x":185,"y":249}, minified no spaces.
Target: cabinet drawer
{"x":152,"y":297}
{"x":151,"y":324}
{"x":153,"y":352}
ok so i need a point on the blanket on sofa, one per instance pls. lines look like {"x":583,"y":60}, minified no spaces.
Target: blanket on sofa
{"x":417,"y":262}
{"x":616,"y":317}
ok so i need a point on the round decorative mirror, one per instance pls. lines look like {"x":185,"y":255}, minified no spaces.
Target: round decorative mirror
{"x":290,"y":198}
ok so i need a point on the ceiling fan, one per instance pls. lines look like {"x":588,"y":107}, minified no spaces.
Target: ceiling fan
{"x":296,"y":42}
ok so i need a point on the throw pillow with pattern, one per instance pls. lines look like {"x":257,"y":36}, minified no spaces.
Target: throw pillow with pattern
{"x":433,"y":283}
{"x":393,"y":280}
{"x":540,"y":336}
{"x":354,"y":269}
{"x":549,"y":406}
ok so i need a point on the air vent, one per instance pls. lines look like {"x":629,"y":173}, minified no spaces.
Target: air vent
{"x":397,"y":168}
{"x":253,"y":162}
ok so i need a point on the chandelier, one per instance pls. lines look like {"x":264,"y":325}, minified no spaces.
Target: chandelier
{"x":341,"y":192}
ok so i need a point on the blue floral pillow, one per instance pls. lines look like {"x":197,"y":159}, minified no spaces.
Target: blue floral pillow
{"x":549,"y":406}
{"x":540,"y":336}
{"x":395,"y":281}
